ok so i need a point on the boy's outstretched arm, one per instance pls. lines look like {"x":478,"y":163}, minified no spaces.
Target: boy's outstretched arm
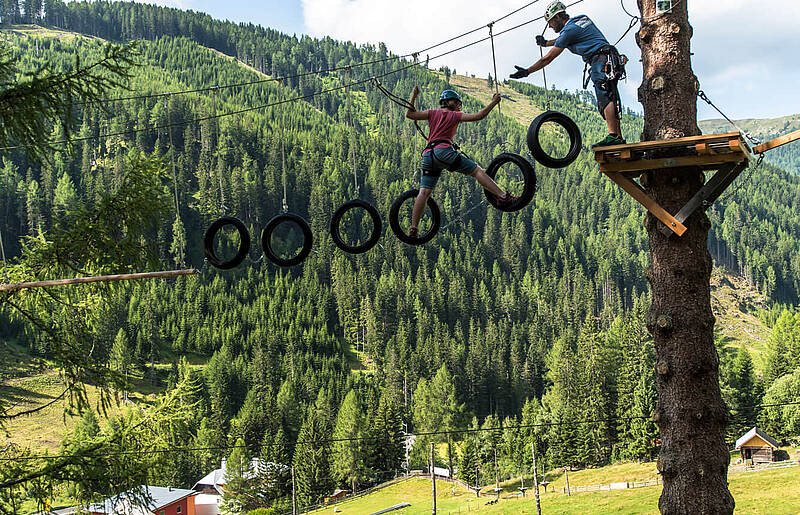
{"x":413,"y":114}
{"x":480,"y":115}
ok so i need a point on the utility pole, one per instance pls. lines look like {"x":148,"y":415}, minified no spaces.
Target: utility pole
{"x":433,"y":481}
{"x":496,"y":481}
{"x":294,"y":495}
{"x":566,"y":476}
{"x":690,"y":413}
{"x":535,"y":478}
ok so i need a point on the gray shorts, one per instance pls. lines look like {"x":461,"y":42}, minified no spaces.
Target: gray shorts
{"x":444,"y":159}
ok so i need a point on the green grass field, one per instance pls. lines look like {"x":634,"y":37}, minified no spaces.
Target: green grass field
{"x":770,"y":492}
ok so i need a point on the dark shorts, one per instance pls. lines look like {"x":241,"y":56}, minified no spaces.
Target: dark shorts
{"x":606,"y":91}
{"x":446,"y":159}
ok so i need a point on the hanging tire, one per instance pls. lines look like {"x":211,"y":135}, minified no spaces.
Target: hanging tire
{"x":377,"y":226}
{"x":211,"y":233}
{"x":266,"y":239}
{"x":394,"y":219}
{"x":528,"y":174}
{"x":574,"y":133}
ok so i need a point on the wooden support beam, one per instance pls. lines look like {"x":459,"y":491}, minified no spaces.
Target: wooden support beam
{"x":777,"y":142}
{"x":706,"y":161}
{"x":710,"y":192}
{"x":641,"y":196}
{"x":99,"y":279}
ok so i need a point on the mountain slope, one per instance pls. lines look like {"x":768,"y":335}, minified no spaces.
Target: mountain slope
{"x":786,"y":157}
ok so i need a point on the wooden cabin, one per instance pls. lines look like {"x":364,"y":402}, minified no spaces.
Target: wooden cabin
{"x":757,"y":447}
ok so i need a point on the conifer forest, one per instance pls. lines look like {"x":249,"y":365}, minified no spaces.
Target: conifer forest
{"x":529,"y":325}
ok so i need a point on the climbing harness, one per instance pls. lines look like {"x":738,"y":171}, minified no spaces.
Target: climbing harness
{"x":377,"y":224}
{"x":286,"y":217}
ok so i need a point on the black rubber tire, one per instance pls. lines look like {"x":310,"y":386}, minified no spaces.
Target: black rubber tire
{"x":211,"y":233}
{"x":266,"y":239}
{"x":377,"y":226}
{"x":574,"y":138}
{"x":528,"y":173}
{"x":394,"y":219}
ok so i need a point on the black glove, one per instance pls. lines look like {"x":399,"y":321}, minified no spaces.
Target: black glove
{"x":520,"y":73}
{"x":541,"y":41}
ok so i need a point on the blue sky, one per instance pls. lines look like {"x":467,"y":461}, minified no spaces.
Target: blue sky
{"x":744,"y":50}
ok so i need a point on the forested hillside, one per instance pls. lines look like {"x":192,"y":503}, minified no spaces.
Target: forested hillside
{"x":532,"y":317}
{"x":786,"y":157}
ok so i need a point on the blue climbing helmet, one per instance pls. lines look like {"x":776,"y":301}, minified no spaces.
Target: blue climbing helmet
{"x":448,"y":94}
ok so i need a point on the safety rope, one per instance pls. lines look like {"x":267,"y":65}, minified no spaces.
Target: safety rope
{"x":174,"y":176}
{"x":283,"y":166}
{"x":544,"y":74}
{"x":753,"y":139}
{"x":402,"y":102}
{"x":214,"y":92}
{"x":633,"y":23}
{"x":745,"y":180}
{"x":352,"y":133}
{"x":494,"y":63}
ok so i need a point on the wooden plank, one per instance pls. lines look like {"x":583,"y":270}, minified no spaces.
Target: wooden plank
{"x":702,"y":149}
{"x":674,"y":162}
{"x":641,"y":196}
{"x":675,"y":142}
{"x":777,"y":142}
{"x":625,"y":154}
{"x":99,"y":279}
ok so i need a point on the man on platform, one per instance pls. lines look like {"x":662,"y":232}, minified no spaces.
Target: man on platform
{"x":580,"y":35}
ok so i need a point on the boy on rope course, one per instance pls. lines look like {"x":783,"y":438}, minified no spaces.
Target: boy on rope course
{"x":582,"y":37}
{"x":441,"y":153}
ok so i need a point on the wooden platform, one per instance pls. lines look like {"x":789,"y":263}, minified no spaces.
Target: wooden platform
{"x":728,"y":153}
{"x":708,"y":152}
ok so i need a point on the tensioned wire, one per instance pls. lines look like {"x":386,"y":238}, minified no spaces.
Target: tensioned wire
{"x":369,"y":438}
{"x":308,"y":73}
{"x":284,"y":101}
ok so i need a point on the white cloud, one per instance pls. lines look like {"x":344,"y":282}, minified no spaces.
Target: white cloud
{"x":745,"y":50}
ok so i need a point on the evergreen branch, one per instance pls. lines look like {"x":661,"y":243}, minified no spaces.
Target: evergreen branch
{"x":29,"y":106}
{"x":37,"y":409}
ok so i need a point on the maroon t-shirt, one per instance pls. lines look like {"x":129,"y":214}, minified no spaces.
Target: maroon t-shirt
{"x":443,"y":124}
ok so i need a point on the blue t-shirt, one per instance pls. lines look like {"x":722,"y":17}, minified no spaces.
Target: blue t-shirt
{"x":581,"y":36}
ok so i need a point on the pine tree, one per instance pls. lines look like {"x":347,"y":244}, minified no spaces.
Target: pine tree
{"x":243,"y":482}
{"x":348,"y":463}
{"x":311,"y":465}
{"x":745,"y":393}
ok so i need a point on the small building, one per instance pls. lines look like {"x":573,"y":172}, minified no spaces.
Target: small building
{"x":147,"y":500}
{"x":757,"y":446}
{"x":337,"y":495}
{"x":214,"y":482}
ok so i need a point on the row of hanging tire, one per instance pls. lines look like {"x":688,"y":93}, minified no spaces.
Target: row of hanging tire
{"x":529,"y":189}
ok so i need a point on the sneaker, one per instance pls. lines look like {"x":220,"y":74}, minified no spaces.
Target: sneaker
{"x":507,"y":200}
{"x":413,"y":232}
{"x":609,"y":140}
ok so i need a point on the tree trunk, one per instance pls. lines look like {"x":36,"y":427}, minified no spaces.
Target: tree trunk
{"x":690,"y":413}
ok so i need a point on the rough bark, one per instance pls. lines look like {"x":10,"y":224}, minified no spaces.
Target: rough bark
{"x":690,"y":413}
